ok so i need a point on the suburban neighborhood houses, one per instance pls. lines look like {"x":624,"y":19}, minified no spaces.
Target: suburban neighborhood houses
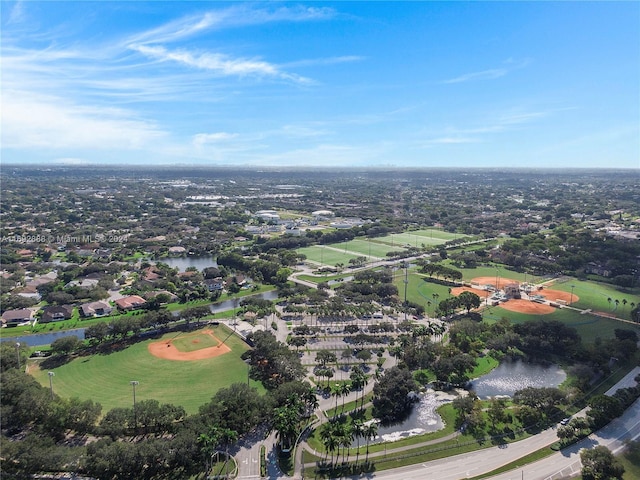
{"x":348,"y":302}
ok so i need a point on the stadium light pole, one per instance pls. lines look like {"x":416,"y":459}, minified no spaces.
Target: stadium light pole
{"x":18,"y":353}
{"x":135,"y":412}
{"x":571,"y":299}
{"x":51,"y":375}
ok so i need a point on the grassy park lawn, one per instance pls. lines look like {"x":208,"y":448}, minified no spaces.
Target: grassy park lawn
{"x":418,"y":237}
{"x":327,"y":256}
{"x":105,"y":378}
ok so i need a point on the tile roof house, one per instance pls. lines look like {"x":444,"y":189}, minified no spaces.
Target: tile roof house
{"x":131,"y":302}
{"x":95,"y":309}
{"x":12,"y":318}
{"x":56,"y":313}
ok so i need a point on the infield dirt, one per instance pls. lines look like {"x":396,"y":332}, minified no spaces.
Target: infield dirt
{"x":167,"y":350}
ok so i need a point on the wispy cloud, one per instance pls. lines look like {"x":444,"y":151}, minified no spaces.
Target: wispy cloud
{"x":201,"y":139}
{"x":219,"y":63}
{"x":325,"y":61}
{"x":17,"y":13}
{"x":490,"y":74}
{"x":234,"y":16}
{"x":481,"y":131}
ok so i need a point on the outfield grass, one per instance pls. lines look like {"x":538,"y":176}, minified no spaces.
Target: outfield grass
{"x":589,"y":327}
{"x":106,"y":378}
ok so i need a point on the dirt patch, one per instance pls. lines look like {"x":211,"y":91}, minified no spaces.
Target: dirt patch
{"x":555,"y":295}
{"x":525,"y":306}
{"x":481,"y":293}
{"x":492,"y":281}
{"x":167,"y":350}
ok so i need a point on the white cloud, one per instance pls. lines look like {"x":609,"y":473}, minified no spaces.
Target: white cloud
{"x":31,"y":121}
{"x":490,"y":74}
{"x":218,"y":63}
{"x":234,"y":16}
{"x":204,"y":138}
{"x":17,"y":14}
{"x":484,"y":75}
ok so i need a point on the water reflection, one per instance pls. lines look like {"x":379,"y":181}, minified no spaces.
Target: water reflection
{"x":182,"y":263}
{"x":509,"y":377}
{"x":506,"y":379}
{"x":423,"y":419}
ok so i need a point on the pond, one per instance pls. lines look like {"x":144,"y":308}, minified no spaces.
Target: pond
{"x":506,"y":379}
{"x":45,"y":338}
{"x":423,"y":419}
{"x":182,"y":263}
{"x":509,"y":377}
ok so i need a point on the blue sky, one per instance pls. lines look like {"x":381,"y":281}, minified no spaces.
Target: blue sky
{"x":352,"y":84}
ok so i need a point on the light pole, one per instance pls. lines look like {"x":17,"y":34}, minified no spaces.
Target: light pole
{"x":135,"y":412}
{"x":497,"y":280}
{"x":51,"y":375}
{"x":571,"y":299}
{"x":18,"y":353}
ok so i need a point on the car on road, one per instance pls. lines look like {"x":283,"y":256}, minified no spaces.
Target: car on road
{"x":564,"y":421}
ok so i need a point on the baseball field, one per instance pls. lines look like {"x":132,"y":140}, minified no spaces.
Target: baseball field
{"x":181,"y":368}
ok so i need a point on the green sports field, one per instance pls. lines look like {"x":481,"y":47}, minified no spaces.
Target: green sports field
{"x":416,"y":238}
{"x":592,"y":295}
{"x":106,"y":378}
{"x":329,"y":255}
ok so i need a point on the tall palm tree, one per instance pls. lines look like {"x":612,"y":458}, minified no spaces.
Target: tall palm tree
{"x":370,"y":432}
{"x":358,"y":432}
{"x":345,"y":389}
{"x":329,"y":439}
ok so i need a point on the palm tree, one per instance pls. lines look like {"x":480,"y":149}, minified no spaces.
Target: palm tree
{"x":358,"y":431}
{"x":617,"y":302}
{"x":345,"y":437}
{"x":624,"y":304}
{"x":609,"y":300}
{"x":329,"y":439}
{"x":228,"y":437}
{"x":370,"y":432}
{"x":336,"y":392}
{"x":344,"y":390}
{"x":311,"y":400}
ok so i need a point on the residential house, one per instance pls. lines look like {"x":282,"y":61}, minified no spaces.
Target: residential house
{"x":95,"y":309}
{"x":56,"y":313}
{"x":13,"y":318}
{"x":132,"y":302}
{"x":214,"y":284}
{"x":86,"y":283}
{"x":154,"y":294}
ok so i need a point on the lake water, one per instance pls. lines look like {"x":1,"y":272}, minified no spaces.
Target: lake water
{"x":182,"y":263}
{"x":510,"y":377}
{"x":506,"y":379}
{"x":45,"y":338}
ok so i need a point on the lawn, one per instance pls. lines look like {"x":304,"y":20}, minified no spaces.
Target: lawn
{"x":106,"y":378}
{"x":589,"y":327}
{"x":418,"y":237}
{"x":328,"y":255}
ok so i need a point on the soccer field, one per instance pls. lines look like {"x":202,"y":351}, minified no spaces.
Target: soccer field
{"x":106,"y":378}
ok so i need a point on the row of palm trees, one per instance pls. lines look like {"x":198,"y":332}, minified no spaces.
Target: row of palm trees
{"x":339,"y":434}
{"x":616,"y":302}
